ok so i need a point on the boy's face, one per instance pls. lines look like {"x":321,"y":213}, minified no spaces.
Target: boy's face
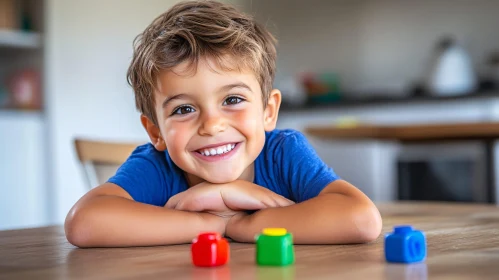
{"x":212,"y":122}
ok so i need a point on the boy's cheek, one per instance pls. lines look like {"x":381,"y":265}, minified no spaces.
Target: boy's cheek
{"x":249,"y":119}
{"x":174,"y":135}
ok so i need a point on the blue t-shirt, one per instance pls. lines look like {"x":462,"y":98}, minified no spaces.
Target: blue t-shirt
{"x":287,"y":165}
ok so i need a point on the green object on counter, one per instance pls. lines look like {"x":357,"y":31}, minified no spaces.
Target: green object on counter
{"x":275,"y":247}
{"x":26,"y":23}
{"x":326,"y":98}
{"x":330,"y":82}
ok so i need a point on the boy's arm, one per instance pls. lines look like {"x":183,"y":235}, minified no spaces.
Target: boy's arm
{"x":340,"y":214}
{"x":108,"y":217}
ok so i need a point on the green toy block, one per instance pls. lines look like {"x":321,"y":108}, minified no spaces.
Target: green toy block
{"x":275,"y":249}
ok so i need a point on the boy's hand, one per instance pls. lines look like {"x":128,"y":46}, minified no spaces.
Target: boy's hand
{"x":219,"y":198}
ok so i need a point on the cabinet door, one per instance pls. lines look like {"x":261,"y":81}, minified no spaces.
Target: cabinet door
{"x":23,"y":172}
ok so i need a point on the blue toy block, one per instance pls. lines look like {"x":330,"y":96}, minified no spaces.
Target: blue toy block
{"x":405,"y":245}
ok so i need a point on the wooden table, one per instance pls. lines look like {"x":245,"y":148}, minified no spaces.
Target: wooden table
{"x":463,"y":243}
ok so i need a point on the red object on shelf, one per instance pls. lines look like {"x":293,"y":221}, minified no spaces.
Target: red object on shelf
{"x":209,"y":249}
{"x":25,"y":90}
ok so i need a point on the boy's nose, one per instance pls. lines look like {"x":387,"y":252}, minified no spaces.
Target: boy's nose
{"x":212,"y":124}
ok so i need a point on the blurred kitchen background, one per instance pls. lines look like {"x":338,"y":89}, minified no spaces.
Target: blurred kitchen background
{"x":340,"y":63}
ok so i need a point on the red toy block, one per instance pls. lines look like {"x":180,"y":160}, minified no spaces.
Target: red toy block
{"x":209,"y":249}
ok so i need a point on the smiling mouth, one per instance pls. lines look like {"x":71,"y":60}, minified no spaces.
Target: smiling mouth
{"x":218,"y":150}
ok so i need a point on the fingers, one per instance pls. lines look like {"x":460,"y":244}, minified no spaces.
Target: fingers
{"x":237,"y":201}
{"x":282,"y":201}
{"x":197,"y":202}
{"x":258,"y":202}
{"x":223,"y":199}
{"x":173,"y":201}
{"x":252,"y":197}
{"x":276,"y":200}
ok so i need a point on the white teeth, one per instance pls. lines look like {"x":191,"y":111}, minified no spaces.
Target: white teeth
{"x":217,"y":150}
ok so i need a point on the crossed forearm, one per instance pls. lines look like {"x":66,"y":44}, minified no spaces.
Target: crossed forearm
{"x":330,"y":218}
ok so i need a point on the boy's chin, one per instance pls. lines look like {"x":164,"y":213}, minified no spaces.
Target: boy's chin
{"x":221,"y":180}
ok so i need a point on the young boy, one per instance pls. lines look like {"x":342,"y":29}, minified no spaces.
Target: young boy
{"x":202,"y":75}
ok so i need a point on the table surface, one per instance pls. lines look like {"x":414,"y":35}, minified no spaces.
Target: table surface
{"x":463,"y":243}
{"x":414,"y":132}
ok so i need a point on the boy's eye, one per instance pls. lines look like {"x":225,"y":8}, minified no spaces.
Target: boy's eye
{"x":232,"y":100}
{"x":182,"y":110}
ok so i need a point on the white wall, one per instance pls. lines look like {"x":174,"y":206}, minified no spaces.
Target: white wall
{"x":23,"y":172}
{"x":88,"y":48}
{"x":314,"y":34}
{"x":376,"y":44}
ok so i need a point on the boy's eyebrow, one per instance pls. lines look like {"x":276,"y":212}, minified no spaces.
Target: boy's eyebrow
{"x":231,"y":86}
{"x":178,"y":96}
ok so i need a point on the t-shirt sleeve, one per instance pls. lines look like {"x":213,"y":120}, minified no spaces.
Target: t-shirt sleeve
{"x":305,"y":174}
{"x":141,"y":177}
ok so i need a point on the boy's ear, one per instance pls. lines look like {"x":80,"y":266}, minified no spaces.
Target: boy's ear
{"x":272,"y":110}
{"x":154,"y":133}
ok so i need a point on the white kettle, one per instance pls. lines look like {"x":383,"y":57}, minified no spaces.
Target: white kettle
{"x":452,"y":71}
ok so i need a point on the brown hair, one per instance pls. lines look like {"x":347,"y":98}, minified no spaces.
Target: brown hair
{"x":192,"y":30}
